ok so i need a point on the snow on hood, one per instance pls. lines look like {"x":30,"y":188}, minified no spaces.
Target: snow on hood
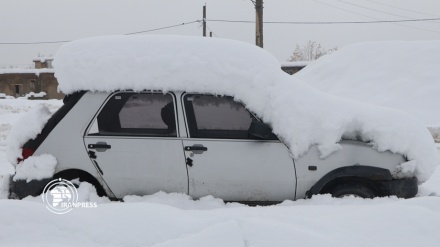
{"x":300,"y":114}
{"x":369,"y":71}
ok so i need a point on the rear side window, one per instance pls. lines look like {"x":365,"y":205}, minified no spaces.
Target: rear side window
{"x":144,"y":114}
{"x":217,"y":117}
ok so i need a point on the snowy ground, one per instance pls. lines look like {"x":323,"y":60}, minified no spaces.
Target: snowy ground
{"x":176,"y":220}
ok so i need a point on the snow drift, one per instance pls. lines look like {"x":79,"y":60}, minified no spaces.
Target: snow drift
{"x":404,"y":75}
{"x":300,"y":114}
{"x":26,"y":128}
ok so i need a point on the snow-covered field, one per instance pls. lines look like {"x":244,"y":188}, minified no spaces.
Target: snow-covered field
{"x":177,"y":220}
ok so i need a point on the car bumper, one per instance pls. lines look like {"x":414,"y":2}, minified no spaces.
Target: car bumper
{"x":402,"y":188}
{"x":20,"y":189}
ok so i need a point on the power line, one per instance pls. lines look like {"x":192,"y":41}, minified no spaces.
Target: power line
{"x":391,"y":6}
{"x":382,"y":21}
{"x":345,"y":10}
{"x":65,"y":41}
{"x":211,"y":31}
{"x":162,"y":28}
{"x":388,"y":13}
{"x":375,"y":10}
{"x":327,"y":22}
{"x":377,"y":21}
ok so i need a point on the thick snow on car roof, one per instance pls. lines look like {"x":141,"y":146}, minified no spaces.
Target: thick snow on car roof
{"x":300,"y":114}
{"x":161,"y":63}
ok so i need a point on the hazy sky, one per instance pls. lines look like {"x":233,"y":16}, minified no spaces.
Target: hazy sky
{"x":60,"y":20}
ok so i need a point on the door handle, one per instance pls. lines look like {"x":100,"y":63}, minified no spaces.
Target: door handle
{"x":100,"y":146}
{"x":196,"y":148}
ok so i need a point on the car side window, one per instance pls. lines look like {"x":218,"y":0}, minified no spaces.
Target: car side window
{"x":217,"y":117}
{"x":144,"y":114}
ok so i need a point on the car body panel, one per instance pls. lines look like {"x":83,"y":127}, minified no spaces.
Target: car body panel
{"x":65,"y":142}
{"x":241,"y":170}
{"x":141,"y":165}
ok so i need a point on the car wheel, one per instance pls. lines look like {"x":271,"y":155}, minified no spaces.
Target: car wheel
{"x":72,"y":177}
{"x":348,"y":189}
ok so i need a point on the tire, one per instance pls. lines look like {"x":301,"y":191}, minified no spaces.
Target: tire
{"x":72,"y":175}
{"x":355,"y":189}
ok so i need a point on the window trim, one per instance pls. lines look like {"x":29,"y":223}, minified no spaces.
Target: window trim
{"x":190,"y":118}
{"x":94,"y":120}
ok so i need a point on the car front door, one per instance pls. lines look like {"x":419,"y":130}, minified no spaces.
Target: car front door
{"x":134,"y":144}
{"x":223,"y":160}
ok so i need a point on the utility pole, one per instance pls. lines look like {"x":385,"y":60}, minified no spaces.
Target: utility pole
{"x":204,"y":21}
{"x":258,"y":22}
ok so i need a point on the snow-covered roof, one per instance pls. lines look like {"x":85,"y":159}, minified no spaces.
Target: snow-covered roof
{"x":300,"y":114}
{"x":42,"y":59}
{"x":26,"y":71}
{"x":295,"y":64}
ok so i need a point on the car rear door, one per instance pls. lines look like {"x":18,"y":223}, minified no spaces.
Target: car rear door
{"x":133,"y":142}
{"x":224,"y":161}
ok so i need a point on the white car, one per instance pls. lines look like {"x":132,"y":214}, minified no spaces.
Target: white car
{"x":139,"y":142}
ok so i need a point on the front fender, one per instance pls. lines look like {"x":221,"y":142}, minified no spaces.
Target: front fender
{"x":360,"y":172}
{"x":310,"y":168}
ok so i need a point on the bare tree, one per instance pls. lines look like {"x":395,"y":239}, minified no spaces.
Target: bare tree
{"x":309,"y":52}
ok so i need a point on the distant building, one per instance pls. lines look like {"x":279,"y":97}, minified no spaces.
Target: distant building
{"x":43,"y":63}
{"x":293,"y":67}
{"x":19,"y":82}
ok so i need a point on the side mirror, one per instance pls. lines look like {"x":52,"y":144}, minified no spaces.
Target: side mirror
{"x":260,"y":130}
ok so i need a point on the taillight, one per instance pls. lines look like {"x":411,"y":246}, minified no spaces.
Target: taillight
{"x":26,"y":153}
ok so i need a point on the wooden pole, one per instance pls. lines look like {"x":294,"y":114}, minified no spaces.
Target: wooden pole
{"x":259,"y":23}
{"x":204,"y":21}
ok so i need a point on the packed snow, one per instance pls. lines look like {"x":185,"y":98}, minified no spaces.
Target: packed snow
{"x":35,"y":168}
{"x":34,"y":95}
{"x":176,"y":220}
{"x":404,"y":75}
{"x":300,"y":114}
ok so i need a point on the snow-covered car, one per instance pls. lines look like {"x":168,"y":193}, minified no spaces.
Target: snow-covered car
{"x":213,"y":117}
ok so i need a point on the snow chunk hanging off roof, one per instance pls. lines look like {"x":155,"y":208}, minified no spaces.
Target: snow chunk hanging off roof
{"x":404,"y":75}
{"x":298,"y":113}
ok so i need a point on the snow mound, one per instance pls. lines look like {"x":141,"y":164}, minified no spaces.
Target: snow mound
{"x":300,"y":114}
{"x":35,"y":168}
{"x":404,"y":75}
{"x":26,"y":128}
